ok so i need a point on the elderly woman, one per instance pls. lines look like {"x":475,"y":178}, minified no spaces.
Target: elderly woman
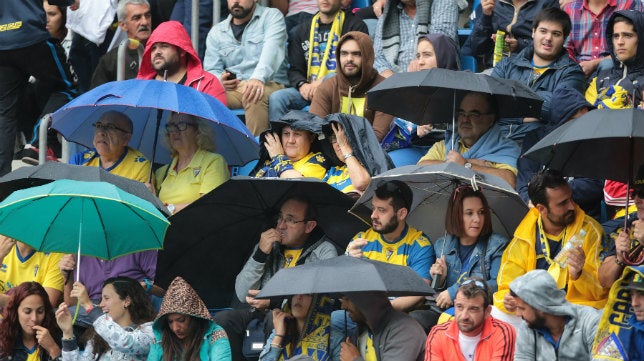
{"x":195,"y":169}
{"x":28,"y":329}
{"x":290,"y":149}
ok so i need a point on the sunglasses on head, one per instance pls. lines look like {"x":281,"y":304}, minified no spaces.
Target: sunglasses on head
{"x":476,"y":283}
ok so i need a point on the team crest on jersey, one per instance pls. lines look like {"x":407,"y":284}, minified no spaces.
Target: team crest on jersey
{"x":139,"y":160}
{"x":196,"y":171}
{"x":388,"y":253}
{"x":319,"y":158}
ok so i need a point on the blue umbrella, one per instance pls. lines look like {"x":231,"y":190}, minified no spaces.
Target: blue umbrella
{"x":148,"y":103}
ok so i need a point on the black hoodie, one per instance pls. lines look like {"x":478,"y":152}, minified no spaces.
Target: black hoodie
{"x":630,"y":74}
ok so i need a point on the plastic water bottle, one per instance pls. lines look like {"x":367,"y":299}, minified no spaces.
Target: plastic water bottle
{"x":576,"y":240}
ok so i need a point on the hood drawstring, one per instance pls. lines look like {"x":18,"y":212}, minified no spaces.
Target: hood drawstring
{"x":350,"y":107}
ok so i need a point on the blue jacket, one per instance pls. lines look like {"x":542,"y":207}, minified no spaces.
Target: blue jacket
{"x":22,"y":23}
{"x":562,"y":71}
{"x":480,"y":43}
{"x":492,"y":247}
{"x":261,"y":53}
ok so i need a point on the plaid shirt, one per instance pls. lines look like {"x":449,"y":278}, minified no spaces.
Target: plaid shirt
{"x":587,"y":38}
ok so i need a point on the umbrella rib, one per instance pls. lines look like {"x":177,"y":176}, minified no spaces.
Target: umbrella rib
{"x":53,"y":221}
{"x":103,"y":230}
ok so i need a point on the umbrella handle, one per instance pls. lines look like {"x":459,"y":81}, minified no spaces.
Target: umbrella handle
{"x":76,"y":312}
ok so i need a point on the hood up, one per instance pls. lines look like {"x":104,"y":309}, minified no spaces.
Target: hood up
{"x":181,"y":298}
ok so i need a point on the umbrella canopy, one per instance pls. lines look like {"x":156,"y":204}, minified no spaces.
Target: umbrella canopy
{"x":430,"y":96}
{"x":26,"y":177}
{"x":331,"y":276}
{"x":97,"y":218}
{"x":601,"y":144}
{"x":142,"y":100}
{"x":216,"y":234}
{"x":432,"y":186}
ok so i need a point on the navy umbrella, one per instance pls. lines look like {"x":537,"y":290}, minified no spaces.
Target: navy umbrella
{"x":430,"y":96}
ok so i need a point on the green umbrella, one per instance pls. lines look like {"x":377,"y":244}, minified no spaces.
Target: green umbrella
{"x":89,"y":218}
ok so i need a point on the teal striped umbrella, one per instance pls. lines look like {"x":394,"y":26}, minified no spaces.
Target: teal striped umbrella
{"x":90,"y":218}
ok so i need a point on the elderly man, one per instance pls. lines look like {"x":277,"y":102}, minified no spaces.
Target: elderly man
{"x":549,"y":319}
{"x":481,"y":146}
{"x":112,"y":133}
{"x":135,"y":19}
{"x":294,"y":240}
{"x":473,"y":332}
{"x":541,"y":235}
{"x":247,"y":52}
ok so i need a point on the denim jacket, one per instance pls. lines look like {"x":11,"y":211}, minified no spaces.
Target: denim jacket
{"x":493,"y":246}
{"x":261,"y":53}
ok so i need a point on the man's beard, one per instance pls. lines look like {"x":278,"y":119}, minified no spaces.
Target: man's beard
{"x":390,"y":226}
{"x":240,"y":15}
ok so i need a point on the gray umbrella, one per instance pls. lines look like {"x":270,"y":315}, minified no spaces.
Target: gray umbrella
{"x":26,"y":177}
{"x":432,"y":186}
{"x":346,"y":274}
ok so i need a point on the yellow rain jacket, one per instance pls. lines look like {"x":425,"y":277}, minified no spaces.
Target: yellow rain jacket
{"x":520,"y":257}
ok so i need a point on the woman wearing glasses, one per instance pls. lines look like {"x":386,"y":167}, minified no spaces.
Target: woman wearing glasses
{"x":195,"y":169}
{"x":469,"y":248}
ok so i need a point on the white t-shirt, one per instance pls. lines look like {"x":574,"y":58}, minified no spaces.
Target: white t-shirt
{"x":468,"y":345}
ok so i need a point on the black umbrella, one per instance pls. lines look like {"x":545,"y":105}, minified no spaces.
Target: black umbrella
{"x":345,"y":274}
{"x":430,"y":96}
{"x":432,"y":187}
{"x":26,"y":177}
{"x":209,"y":241}
{"x":601,"y":144}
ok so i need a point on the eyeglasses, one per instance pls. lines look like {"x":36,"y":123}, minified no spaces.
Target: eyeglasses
{"x":178,"y":126}
{"x":477,"y":283}
{"x":474,"y":116}
{"x":289,"y":220}
{"x":109,"y":127}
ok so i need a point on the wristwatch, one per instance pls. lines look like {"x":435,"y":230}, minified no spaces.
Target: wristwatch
{"x":299,"y":84}
{"x":468,"y":165}
{"x":171,"y":208}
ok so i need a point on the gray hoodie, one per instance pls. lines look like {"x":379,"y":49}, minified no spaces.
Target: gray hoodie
{"x":396,"y":335}
{"x":539,"y":290}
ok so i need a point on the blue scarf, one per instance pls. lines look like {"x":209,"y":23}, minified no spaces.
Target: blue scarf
{"x":493,"y":146}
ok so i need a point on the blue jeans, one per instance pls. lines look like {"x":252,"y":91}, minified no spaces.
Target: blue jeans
{"x":283,"y":101}
{"x":182,"y":12}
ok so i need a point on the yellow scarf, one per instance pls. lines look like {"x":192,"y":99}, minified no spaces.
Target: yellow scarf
{"x":319,"y":68}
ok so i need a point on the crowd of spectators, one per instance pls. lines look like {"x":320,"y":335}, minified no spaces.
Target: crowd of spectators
{"x":300,"y":72}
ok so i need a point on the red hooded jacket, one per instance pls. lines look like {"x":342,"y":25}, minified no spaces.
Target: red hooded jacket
{"x":172,"y":32}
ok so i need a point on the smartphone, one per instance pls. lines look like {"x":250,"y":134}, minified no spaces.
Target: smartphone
{"x":231,"y":76}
